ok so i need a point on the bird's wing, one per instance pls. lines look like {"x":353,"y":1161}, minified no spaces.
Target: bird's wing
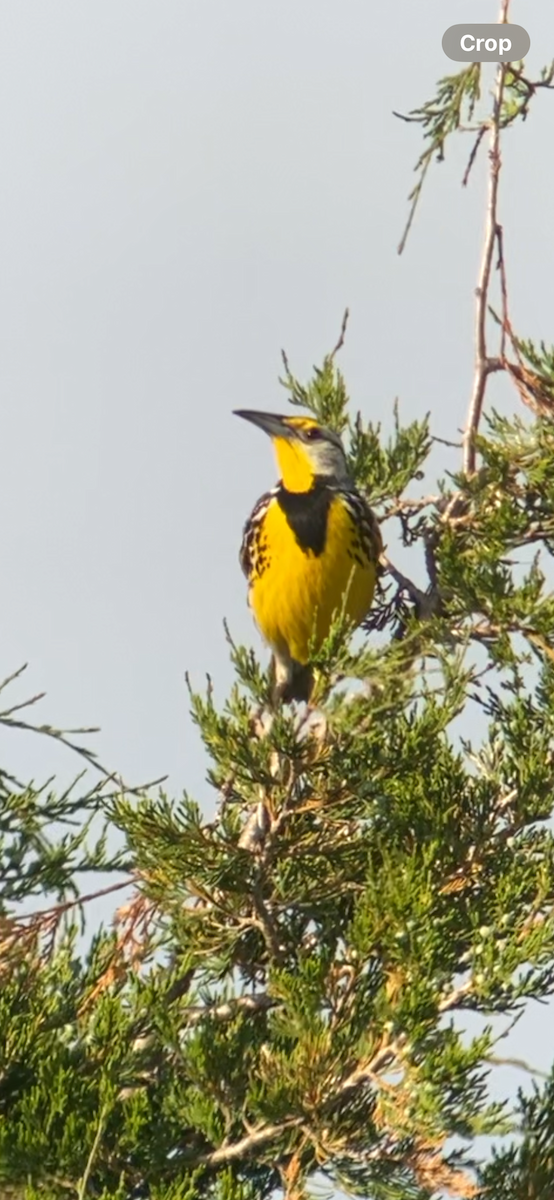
{"x":365,"y":520}
{"x":247,"y":553}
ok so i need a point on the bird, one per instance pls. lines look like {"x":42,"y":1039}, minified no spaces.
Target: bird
{"x":310,"y":548}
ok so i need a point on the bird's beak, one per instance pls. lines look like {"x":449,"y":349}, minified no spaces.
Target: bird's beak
{"x":271,"y":423}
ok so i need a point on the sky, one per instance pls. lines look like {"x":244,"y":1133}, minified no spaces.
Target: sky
{"x":186,"y":188}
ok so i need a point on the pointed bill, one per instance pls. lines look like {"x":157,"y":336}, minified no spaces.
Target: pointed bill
{"x":271,"y":423}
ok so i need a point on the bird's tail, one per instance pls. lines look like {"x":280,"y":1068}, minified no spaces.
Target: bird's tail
{"x":295,"y":682}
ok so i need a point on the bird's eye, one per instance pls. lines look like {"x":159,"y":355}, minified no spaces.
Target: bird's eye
{"x":312,"y":434}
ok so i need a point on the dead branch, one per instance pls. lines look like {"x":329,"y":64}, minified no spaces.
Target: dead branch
{"x":482,"y":368}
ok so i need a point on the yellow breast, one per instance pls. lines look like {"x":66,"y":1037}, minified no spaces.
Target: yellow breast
{"x":295,"y":593}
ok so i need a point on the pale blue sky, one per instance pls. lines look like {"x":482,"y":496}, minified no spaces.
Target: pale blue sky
{"x":187,"y":187}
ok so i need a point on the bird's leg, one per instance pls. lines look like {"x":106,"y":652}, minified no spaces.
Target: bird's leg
{"x":281,"y":673}
{"x":291,"y":680}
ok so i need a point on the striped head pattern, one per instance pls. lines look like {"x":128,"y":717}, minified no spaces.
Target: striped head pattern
{"x":305,"y":450}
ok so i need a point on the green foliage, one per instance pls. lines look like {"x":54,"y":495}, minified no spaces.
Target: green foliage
{"x":519,"y":91}
{"x":382,"y":471}
{"x":451,"y":107}
{"x":526,"y":1169}
{"x":270,"y":1007}
{"x":266,"y":1009}
{"x":455,"y":108}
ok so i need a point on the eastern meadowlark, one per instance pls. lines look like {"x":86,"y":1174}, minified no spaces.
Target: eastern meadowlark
{"x":310,"y":548}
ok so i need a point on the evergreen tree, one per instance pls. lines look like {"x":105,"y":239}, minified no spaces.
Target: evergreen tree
{"x":283,"y":997}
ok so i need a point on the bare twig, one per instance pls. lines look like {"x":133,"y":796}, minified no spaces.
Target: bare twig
{"x":423,"y":600}
{"x":473,"y":155}
{"x":66,"y":905}
{"x":482,"y":368}
{"x":286,"y":364}
{"x":7,"y":712}
{"x":501,"y":268}
{"x":446,"y":442}
{"x":405,"y":117}
{"x":14,"y":675}
{"x":409,"y":508}
{"x":64,"y":737}
{"x":518,"y":1063}
{"x":415,"y":201}
{"x":341,"y":338}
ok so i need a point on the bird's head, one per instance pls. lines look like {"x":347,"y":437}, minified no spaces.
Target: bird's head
{"x":305,"y":450}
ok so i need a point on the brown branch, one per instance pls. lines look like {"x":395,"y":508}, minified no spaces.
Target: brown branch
{"x":383,"y":1059}
{"x":389,"y":1052}
{"x":65,"y":905}
{"x":263,"y":920}
{"x":230,"y":1151}
{"x":409,"y":508}
{"x":424,"y":601}
{"x":530,"y":87}
{"x":338,"y":346}
{"x":506,"y":327}
{"x":228,"y":1010}
{"x":482,"y":367}
{"x":473,"y":155}
{"x":280,"y":819}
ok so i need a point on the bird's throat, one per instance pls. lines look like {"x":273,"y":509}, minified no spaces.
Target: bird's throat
{"x":296,"y":470}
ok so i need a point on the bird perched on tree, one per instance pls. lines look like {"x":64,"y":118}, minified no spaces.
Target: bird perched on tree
{"x":310,"y":548}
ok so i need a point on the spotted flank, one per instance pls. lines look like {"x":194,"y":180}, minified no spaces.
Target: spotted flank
{"x":254,"y":550}
{"x":367,"y":542}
